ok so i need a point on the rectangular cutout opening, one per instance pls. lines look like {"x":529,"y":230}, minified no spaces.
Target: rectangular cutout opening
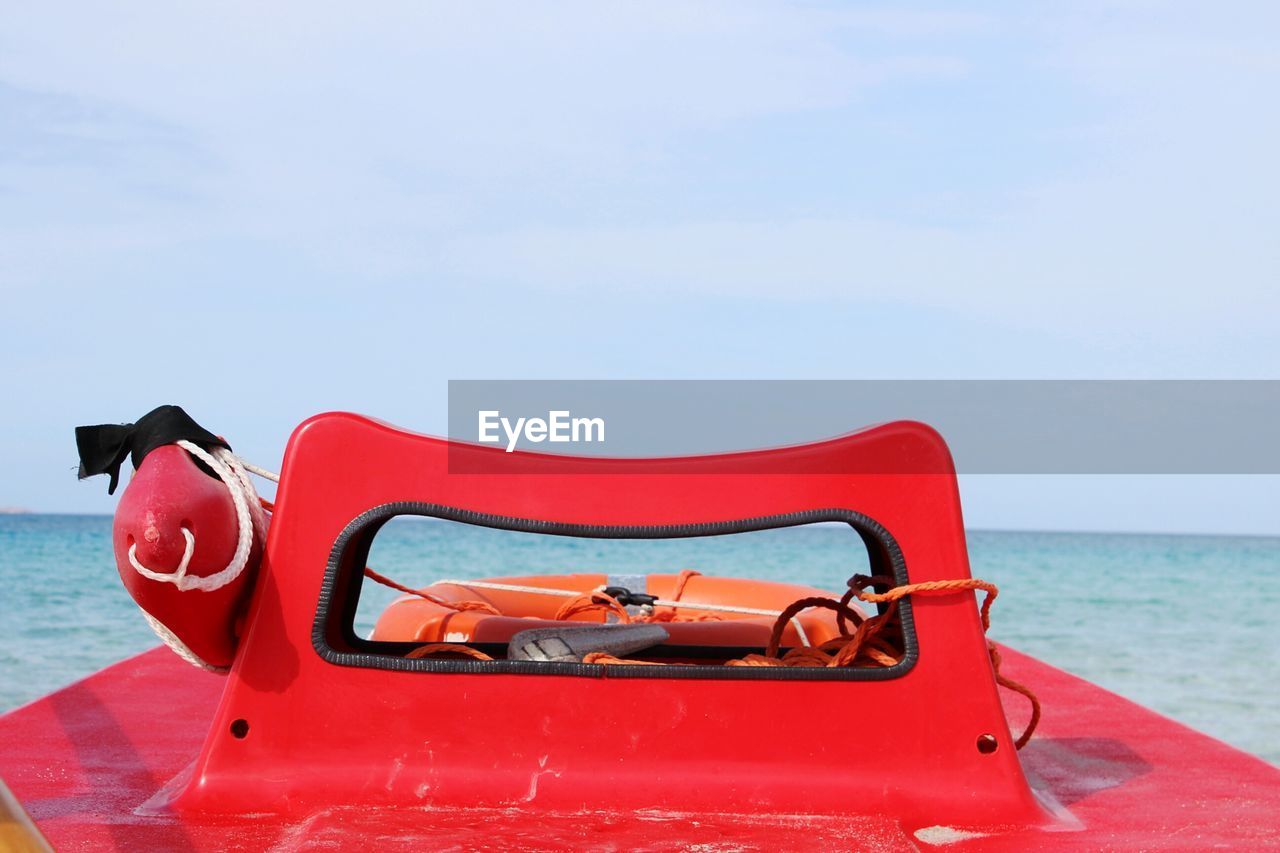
{"x":716,"y":590}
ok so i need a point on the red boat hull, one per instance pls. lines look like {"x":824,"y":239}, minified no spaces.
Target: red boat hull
{"x":86,"y":760}
{"x":321,"y":736}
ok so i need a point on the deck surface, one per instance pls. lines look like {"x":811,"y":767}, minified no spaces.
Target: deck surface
{"x":84,"y":759}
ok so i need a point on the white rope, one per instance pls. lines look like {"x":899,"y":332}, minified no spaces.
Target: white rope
{"x":178,"y":575}
{"x":232,"y":472}
{"x":179,"y":648}
{"x":261,"y":472}
{"x":660,"y":602}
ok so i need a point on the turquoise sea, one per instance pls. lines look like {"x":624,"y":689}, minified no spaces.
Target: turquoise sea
{"x":1187,"y":625}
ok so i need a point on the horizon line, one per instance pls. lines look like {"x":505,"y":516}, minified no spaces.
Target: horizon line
{"x":968,"y":530}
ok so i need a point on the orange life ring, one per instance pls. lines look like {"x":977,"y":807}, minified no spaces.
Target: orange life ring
{"x":412,"y":618}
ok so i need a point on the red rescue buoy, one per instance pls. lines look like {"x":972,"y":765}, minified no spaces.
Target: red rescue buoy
{"x":188,"y":533}
{"x":176,"y":538}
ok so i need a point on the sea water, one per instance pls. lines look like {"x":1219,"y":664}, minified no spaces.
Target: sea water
{"x":1186,"y":625}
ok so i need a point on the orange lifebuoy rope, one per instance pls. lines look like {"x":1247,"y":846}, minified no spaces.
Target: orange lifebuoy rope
{"x":460,"y":606}
{"x":605,"y":657}
{"x":682,"y":580}
{"x":432,"y":649}
{"x":672,"y":614}
{"x":589,"y":602}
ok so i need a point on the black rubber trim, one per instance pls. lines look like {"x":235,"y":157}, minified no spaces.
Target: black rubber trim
{"x":335,"y":640}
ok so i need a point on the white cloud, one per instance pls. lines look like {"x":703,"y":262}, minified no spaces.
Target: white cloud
{"x":362,"y":137}
{"x":495,"y":86}
{"x":417,"y":140}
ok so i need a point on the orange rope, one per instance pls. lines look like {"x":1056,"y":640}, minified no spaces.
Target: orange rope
{"x":599,"y":600}
{"x":590,"y":602}
{"x":671,"y":614}
{"x":858,"y":584}
{"x":606,"y":658}
{"x":431,"y":649}
{"x":872,"y":641}
{"x":944,"y":587}
{"x":460,"y":606}
{"x":1016,"y":688}
{"x":682,"y":580}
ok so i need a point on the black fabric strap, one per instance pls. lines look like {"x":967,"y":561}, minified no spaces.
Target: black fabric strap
{"x":104,"y":447}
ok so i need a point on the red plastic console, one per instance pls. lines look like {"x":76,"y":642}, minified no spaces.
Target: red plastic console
{"x":310,"y":717}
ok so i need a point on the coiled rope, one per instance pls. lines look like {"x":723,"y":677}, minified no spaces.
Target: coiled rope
{"x":876,"y":640}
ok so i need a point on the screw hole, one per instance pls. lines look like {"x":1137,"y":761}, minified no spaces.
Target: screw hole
{"x":987,"y":744}
{"x":239,"y":728}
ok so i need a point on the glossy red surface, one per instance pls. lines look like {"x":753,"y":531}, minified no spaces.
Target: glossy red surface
{"x":363,"y":756}
{"x":320,"y":732}
{"x":86,"y":761}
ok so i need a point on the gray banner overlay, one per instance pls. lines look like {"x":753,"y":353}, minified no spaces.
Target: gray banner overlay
{"x":992,"y":426}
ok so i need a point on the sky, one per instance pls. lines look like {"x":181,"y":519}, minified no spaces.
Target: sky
{"x":266,"y":212}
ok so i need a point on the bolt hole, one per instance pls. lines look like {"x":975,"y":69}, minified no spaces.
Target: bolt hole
{"x":239,"y":728}
{"x":987,"y":744}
